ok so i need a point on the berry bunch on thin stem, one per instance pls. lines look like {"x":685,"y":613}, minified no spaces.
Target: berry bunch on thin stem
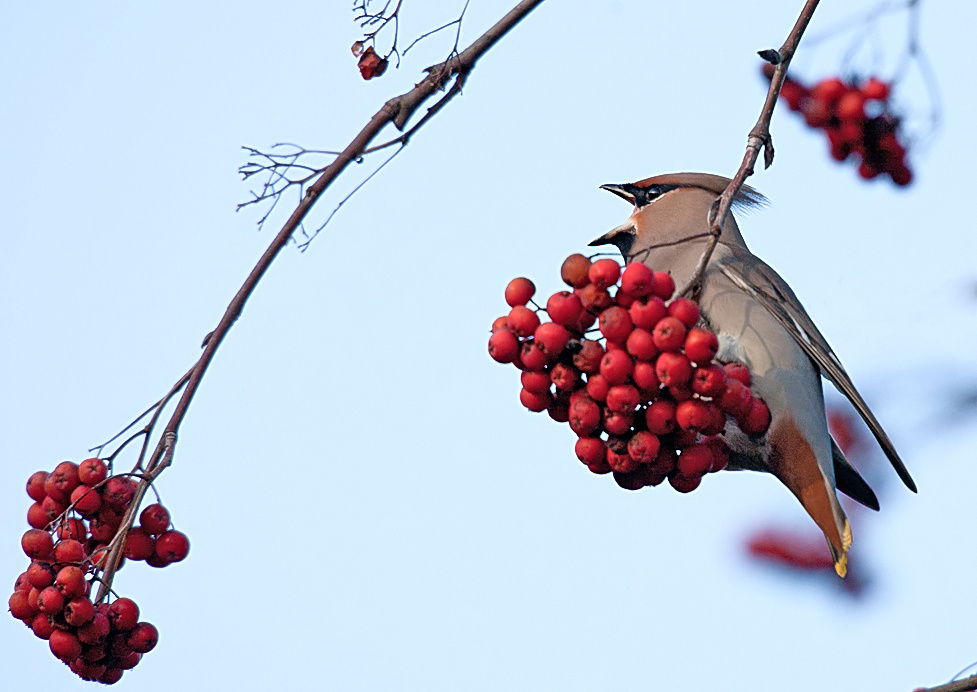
{"x":82,"y":515}
{"x":643,"y":390}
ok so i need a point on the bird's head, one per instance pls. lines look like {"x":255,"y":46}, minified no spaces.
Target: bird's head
{"x":669,"y":208}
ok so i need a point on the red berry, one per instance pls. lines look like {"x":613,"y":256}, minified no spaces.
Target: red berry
{"x":621,"y":463}
{"x":736,"y":400}
{"x":615,"y":366}
{"x":37,"y":517}
{"x":829,"y":90}
{"x":584,"y":416}
{"x":756,"y":420}
{"x":664,"y":285}
{"x":685,"y":310}
{"x":641,"y":344}
{"x":143,"y":638}
{"x":551,"y":338}
{"x":590,"y":450}
{"x":139,"y":544}
{"x":709,"y":380}
{"x":660,"y":417}
{"x":673,"y":369}
{"x":86,"y":500}
{"x":615,"y":324}
{"x":565,"y":308}
{"x":71,"y":582}
{"x":851,"y":106}
{"x":692,"y":414}
{"x":867,"y":170}
{"x":519,"y":291}
{"x":597,"y":387}
{"x":79,"y":611}
{"x":69,"y":551}
{"x":738,"y":371}
{"x":20,"y":606}
{"x":532,"y":357}
{"x":617,"y":422}
{"x":35,"y":485}
{"x":522,"y":321}
{"x":535,"y":382}
{"x":595,"y":298}
{"x":64,"y":645}
{"x":875,"y":90}
{"x":97,"y":628}
{"x":604,"y":273}
{"x":118,"y":493}
{"x":684,"y":484}
{"x":574,"y":271}
{"x":701,"y":345}
{"x":92,"y":471}
{"x":793,"y":92}
{"x":40,"y":575}
{"x":646,"y":312}
{"x":645,"y":379}
{"x":669,"y":334}
{"x":643,"y":447}
{"x":123,"y":614}
{"x":500,"y":323}
{"x":53,"y":508}
{"x":50,"y":601}
{"x":565,"y":377}
{"x":503,"y":346}
{"x":537,"y":403}
{"x":637,"y":280}
{"x":587,"y":359}
{"x":623,"y":398}
{"x":696,"y":460}
{"x":37,"y":544}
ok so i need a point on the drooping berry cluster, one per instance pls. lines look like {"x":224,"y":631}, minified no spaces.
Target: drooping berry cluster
{"x":77,"y":513}
{"x":648,"y":401}
{"x":857,"y":120}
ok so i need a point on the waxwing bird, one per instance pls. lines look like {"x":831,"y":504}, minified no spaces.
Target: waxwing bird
{"x":760,"y":322}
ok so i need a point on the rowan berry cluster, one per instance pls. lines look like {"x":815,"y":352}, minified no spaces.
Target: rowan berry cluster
{"x":642,"y":391}
{"x":76,"y":517}
{"x":857,"y":120}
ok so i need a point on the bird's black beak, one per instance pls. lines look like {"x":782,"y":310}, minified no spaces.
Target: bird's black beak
{"x":622,"y":237}
{"x":625,"y":191}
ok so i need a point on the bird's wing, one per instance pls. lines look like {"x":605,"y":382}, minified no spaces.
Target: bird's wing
{"x":756,"y":278}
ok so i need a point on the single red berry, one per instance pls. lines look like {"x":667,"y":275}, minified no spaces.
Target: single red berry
{"x":597,"y":387}
{"x":644,"y":378}
{"x":531,"y":358}
{"x":590,"y":450}
{"x":69,"y":551}
{"x":623,"y":398}
{"x":565,"y":377}
{"x":574,"y":271}
{"x":641,"y":344}
{"x":660,"y":417}
{"x":717,"y":420}
{"x":96,"y":629}
{"x":35,"y":485}
{"x":143,"y":638}
{"x":40,"y":574}
{"x":720,"y":452}
{"x":664,"y":285}
{"x":673,"y":369}
{"x":118,"y":493}
{"x":559,"y":408}
{"x":615,"y":366}
{"x":565,"y":308}
{"x":875,"y":90}
{"x":685,"y":310}
{"x":54,"y":508}
{"x":587,"y":359}
{"x":79,"y":611}
{"x":503,"y":346}
{"x":535,"y":402}
{"x":625,"y":300}
{"x":829,"y":90}
{"x":70,"y":582}
{"x":692,"y":415}
{"x":50,"y":601}
{"x":615,"y":324}
{"x":139,"y":544}
{"x":737,"y":399}
{"x":113,"y":675}
{"x":604,"y":273}
{"x":522,"y":321}
{"x":64,"y":645}
{"x":595,"y":298}
{"x":621,"y":463}
{"x":851,"y":106}
{"x":500,"y":323}
{"x":20,"y":606}
{"x":643,"y":447}
{"x":37,"y":516}
{"x":584,"y":416}
{"x":669,"y":334}
{"x":86,"y":500}
{"x":519,"y":291}
{"x":684,"y":484}
{"x":617,"y":422}
{"x":92,"y":471}
{"x":123,"y":614}
{"x":696,"y":460}
{"x":637,"y":280}
{"x":709,"y":380}
{"x":37,"y":544}
{"x":551,"y":338}
{"x":737,"y":371}
{"x":646,"y":312}
{"x":757,"y":419}
{"x":701,"y":345}
{"x":535,"y":382}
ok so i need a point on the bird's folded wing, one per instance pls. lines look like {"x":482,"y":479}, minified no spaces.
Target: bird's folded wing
{"x":753,"y":276}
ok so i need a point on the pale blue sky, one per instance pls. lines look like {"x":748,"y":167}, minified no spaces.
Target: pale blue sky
{"x":368,"y":505}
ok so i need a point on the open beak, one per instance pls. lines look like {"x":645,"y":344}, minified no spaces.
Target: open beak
{"x":623,"y":191}
{"x":616,"y":235}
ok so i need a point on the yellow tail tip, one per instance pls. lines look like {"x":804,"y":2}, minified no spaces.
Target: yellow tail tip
{"x":841,"y":565}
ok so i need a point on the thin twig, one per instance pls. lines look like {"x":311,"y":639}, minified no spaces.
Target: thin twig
{"x":759,"y":138}
{"x":965,"y":685}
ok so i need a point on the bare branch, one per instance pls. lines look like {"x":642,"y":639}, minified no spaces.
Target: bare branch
{"x":965,"y":685}
{"x":759,"y":138}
